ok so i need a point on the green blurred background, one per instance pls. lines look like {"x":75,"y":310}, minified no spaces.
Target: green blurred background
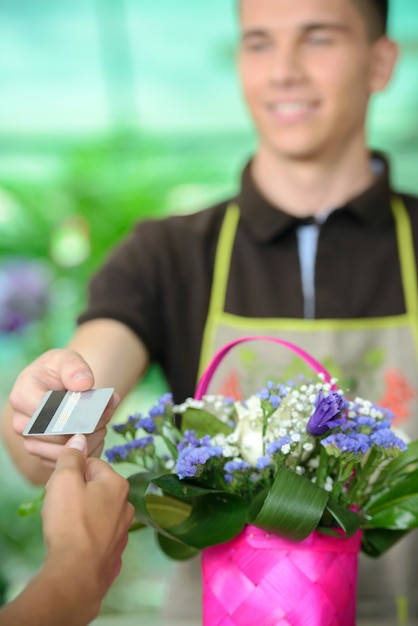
{"x":112,"y":111}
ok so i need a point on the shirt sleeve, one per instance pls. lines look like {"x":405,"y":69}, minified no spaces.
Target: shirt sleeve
{"x":127,"y":287}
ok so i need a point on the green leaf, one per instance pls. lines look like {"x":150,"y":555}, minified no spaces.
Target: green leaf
{"x":391,"y":495}
{"x":377,"y":541}
{"x":166,"y":511}
{"x":347,"y":519}
{"x":198,"y":517}
{"x":138,"y":486}
{"x":175,"y":549}
{"x":400,"y":514}
{"x":405,"y":463}
{"x":215,"y":518}
{"x":170,"y":483}
{"x":292,"y":508}
{"x":32,"y":506}
{"x":203,"y":423}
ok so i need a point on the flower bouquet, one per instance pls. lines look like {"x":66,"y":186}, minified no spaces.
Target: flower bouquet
{"x":279,"y":492}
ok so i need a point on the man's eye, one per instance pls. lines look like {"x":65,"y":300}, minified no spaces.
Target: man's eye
{"x":320,"y":40}
{"x":257,"y":46}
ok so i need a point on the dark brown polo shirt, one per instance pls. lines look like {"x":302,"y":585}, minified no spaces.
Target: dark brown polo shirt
{"x":158,"y":280}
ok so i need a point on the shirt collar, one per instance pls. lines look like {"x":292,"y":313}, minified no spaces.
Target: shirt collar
{"x":268,"y":222}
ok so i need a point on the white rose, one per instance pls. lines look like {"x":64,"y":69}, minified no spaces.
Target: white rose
{"x":249,"y":430}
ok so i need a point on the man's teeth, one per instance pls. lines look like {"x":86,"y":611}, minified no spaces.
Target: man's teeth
{"x":292,"y":107}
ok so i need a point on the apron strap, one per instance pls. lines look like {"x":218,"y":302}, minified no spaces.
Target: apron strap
{"x":406,"y":257}
{"x":220,"y":280}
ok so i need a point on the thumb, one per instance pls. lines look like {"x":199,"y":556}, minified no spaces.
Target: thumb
{"x":74,"y":455}
{"x":74,"y":371}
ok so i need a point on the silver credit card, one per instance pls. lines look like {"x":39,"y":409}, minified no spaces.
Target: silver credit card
{"x":68,"y":412}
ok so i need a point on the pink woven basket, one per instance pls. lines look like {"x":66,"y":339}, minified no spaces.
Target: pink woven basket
{"x":261,"y":579}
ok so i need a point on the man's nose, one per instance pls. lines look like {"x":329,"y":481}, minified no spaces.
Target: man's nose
{"x":286,"y":65}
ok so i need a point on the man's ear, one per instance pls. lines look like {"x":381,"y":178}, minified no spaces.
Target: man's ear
{"x":385,"y":56}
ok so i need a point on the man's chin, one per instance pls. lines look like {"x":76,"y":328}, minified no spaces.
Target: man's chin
{"x":298,"y":154}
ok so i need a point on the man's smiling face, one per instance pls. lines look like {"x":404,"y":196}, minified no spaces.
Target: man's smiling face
{"x":307,"y":68}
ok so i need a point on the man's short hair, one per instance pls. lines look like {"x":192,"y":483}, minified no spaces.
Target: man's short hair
{"x":376,"y":15}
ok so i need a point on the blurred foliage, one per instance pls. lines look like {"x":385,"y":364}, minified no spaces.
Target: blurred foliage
{"x":21,"y":546}
{"x":109,"y":184}
{"x":102,"y":188}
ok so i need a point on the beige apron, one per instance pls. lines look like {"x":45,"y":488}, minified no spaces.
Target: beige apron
{"x":374,"y":357}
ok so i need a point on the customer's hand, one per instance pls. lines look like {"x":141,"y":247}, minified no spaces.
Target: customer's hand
{"x":86,"y":517}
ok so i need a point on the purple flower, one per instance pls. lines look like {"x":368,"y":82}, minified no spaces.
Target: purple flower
{"x":191,"y":461}
{"x":117,"y":454}
{"x":263,"y":462}
{"x":385,"y":438}
{"x":24,"y":294}
{"x":189,"y":441}
{"x":275,"y":400}
{"x":163,"y":403}
{"x":234,"y":468}
{"x":352,"y":443}
{"x":147,"y":424}
{"x":264,"y":394}
{"x":276,"y":446}
{"x":273,"y":394}
{"x":121,"y":429}
{"x":140,"y":444}
{"x":129,"y":450}
{"x":327,"y":408}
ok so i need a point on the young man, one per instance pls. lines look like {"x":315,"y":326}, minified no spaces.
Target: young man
{"x":82,"y":495}
{"x":316,"y":249}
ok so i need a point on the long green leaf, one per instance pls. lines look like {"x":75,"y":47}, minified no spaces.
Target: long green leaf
{"x":347,"y":520}
{"x":189,"y":514}
{"x":215,"y":518}
{"x":138,"y":487}
{"x":292,"y":508}
{"x":166,"y":511}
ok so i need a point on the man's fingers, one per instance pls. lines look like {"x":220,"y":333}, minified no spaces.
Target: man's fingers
{"x":47,"y":448}
{"x":56,"y":369}
{"x":109,"y":411}
{"x":76,"y":375}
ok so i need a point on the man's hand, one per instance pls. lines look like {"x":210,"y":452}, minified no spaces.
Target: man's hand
{"x":102,"y":353}
{"x":56,"y":369}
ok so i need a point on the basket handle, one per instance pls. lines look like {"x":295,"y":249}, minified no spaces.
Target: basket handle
{"x":208,"y":374}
